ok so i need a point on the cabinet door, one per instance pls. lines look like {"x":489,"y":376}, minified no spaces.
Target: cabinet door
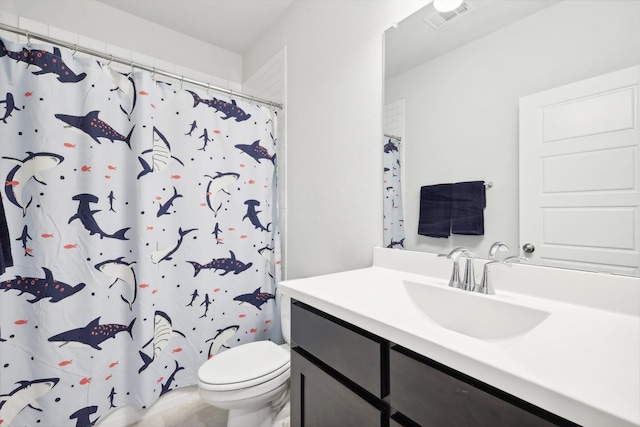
{"x":433,"y":398}
{"x":353,"y":352}
{"x":319,"y":400}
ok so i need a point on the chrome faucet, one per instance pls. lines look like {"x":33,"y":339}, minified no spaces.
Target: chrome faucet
{"x":469,"y":280}
{"x":497,"y":246}
{"x":454,"y":281}
{"x":485,"y":286}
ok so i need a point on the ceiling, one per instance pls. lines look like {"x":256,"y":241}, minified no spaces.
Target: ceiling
{"x":234,"y":25}
{"x":415,"y":42}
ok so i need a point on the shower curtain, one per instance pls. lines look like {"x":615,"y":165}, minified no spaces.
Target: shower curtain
{"x":143,"y":224}
{"x":393,"y":235}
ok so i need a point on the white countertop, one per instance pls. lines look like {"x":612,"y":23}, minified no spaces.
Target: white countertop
{"x":581,"y":363}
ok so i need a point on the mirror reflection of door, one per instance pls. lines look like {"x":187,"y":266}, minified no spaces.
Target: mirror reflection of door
{"x":580,"y":174}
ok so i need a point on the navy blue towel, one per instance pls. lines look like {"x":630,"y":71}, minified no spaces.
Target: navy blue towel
{"x":469,"y":201}
{"x":435,"y":210}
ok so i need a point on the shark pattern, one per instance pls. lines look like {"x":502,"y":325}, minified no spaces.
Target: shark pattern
{"x":220,"y":339}
{"x":162,"y":333}
{"x":120,"y":270}
{"x":28,"y":168}
{"x":26,"y":394}
{"x":86,"y":217}
{"x":252,"y":214}
{"x":91,"y":125}
{"x":256,"y":298}
{"x":166,"y":254}
{"x":10,"y":106}
{"x":160,"y":157}
{"x":166,"y":387}
{"x":49,"y":63}
{"x":228,"y":265}
{"x":218,"y":183}
{"x":163,"y":209}
{"x":256,"y":151}
{"x":93,"y":334}
{"x":24,"y":238}
{"x":41,"y":288}
{"x":230,"y":110}
{"x":82,"y":416}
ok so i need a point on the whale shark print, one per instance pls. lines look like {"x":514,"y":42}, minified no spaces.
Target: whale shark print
{"x":139,"y":254}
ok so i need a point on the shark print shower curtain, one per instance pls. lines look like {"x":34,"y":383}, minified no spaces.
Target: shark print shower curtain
{"x":142,"y":218}
{"x":393,"y":235}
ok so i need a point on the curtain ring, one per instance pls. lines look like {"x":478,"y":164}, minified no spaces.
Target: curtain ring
{"x":75,"y":51}
{"x":131,"y":64}
{"x":110,"y":60}
{"x":26,"y":33}
{"x":208,"y":87}
{"x":153,"y":74}
{"x":181,"y":81}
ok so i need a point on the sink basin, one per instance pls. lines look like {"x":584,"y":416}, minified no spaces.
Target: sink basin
{"x":479,"y":316}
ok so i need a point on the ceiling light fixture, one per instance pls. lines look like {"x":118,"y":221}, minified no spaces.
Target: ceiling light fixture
{"x":446,"y":5}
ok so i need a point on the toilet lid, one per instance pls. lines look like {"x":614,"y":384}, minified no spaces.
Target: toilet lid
{"x":245,"y":365}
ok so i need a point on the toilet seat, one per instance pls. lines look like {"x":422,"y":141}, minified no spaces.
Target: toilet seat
{"x":236,"y":368}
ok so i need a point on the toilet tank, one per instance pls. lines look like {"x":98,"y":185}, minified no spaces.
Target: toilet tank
{"x":284,"y":302}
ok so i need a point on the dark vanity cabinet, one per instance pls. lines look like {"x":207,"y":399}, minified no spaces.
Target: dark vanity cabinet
{"x":344,"y":376}
{"x":338,"y":372}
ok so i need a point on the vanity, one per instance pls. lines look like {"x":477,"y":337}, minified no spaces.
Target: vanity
{"x":393,"y":345}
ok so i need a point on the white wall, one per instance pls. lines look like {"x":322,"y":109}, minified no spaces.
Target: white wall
{"x":462,"y":108}
{"x":100,"y":27}
{"x":334,"y":125}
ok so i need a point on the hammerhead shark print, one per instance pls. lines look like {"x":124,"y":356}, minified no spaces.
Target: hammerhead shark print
{"x":94,"y":127}
{"x":85,"y":215}
{"x":28,"y":168}
{"x":228,"y":265}
{"x":252,"y":214}
{"x":24,"y":395}
{"x":49,"y":63}
{"x":10,"y":106}
{"x":230,"y":110}
{"x":41,"y":288}
{"x":256,"y":298}
{"x":93,"y":334}
{"x":82,"y":416}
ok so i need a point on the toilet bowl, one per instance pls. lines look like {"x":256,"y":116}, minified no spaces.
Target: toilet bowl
{"x":251,"y":380}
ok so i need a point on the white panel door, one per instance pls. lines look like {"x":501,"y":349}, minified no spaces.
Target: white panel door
{"x":580,"y":174}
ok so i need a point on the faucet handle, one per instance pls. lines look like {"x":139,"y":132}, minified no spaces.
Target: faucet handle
{"x":455,"y":281}
{"x":454,"y":254}
{"x":497,"y":246}
{"x":515,"y":258}
{"x":485,"y":286}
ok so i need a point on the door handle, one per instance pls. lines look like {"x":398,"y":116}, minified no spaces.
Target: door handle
{"x":528,"y":248}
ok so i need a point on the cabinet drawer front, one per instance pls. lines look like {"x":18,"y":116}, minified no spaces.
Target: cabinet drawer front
{"x":319,"y":400}
{"x":431,"y":397}
{"x":357,"y":357}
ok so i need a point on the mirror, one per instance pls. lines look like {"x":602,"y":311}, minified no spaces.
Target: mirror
{"x":456,"y":81}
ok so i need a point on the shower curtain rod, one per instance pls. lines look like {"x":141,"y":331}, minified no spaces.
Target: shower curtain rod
{"x":76,"y":48}
{"x":392,"y":137}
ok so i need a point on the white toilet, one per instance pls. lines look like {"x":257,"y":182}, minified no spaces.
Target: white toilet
{"x":250,"y":380}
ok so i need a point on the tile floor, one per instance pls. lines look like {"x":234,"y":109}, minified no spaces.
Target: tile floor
{"x":197,"y":414}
